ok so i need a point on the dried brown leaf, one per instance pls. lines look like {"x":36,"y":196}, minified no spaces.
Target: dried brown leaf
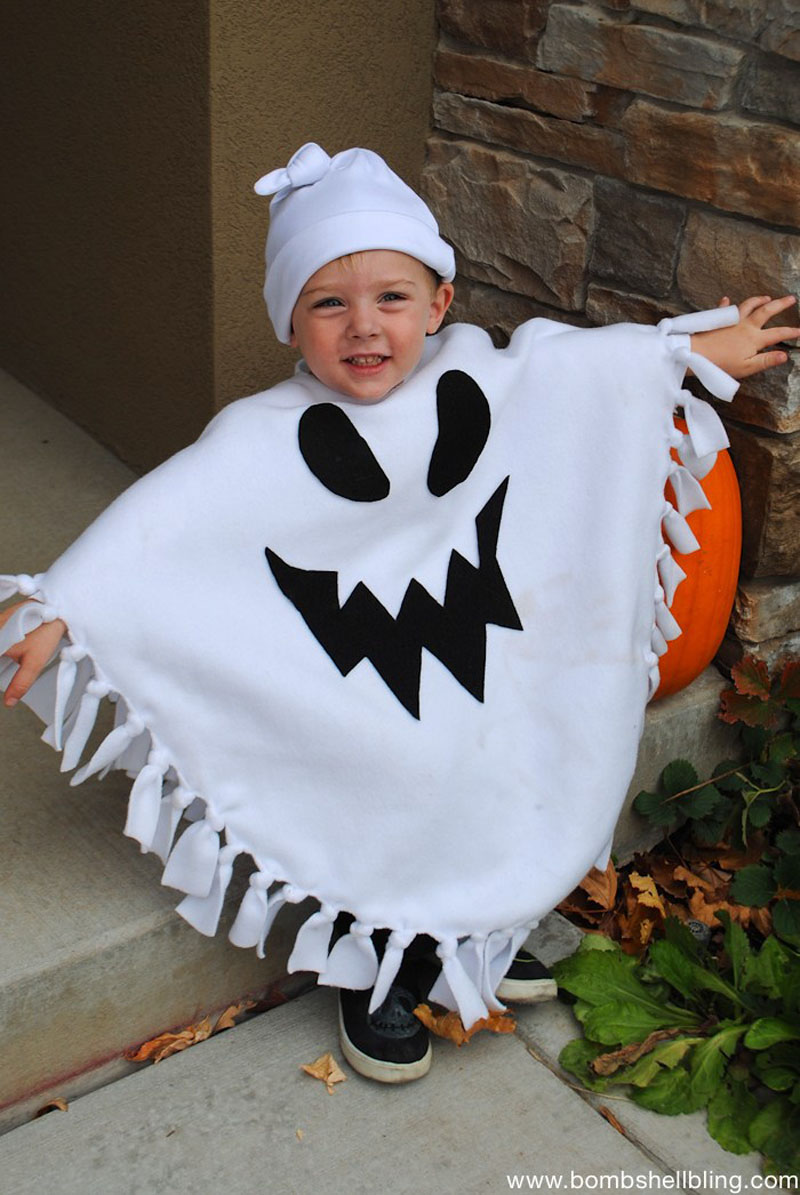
{"x":450,"y":1025}
{"x":663,"y":872}
{"x":327,"y":1070}
{"x":601,"y":886}
{"x":227,"y":1018}
{"x":646,"y":891}
{"x":607,"y":1064}
{"x":56,"y":1105}
{"x":608,"y":1115}
{"x":165,"y":1044}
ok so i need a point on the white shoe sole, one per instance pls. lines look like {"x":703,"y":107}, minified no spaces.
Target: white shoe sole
{"x":521,"y":991}
{"x":383,"y":1072}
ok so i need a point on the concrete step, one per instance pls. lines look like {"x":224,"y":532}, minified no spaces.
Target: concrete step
{"x":93,"y":959}
{"x":236,"y":1113}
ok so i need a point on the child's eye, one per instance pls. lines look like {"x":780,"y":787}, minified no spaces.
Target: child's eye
{"x":330,"y":302}
{"x":392,"y":296}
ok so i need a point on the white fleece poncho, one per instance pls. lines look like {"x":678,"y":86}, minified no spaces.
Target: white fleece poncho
{"x":397,"y":653}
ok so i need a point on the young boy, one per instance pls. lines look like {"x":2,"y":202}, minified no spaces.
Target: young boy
{"x":261,"y":603}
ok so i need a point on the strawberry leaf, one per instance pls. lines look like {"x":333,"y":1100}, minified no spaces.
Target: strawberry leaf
{"x":738,"y":707}
{"x":656,"y":807}
{"x":789,"y":683}
{"x":753,"y":886}
{"x":678,"y":776}
{"x":751,"y":678}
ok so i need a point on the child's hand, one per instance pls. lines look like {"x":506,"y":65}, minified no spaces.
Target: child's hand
{"x":738,"y":350}
{"x":32,"y":654}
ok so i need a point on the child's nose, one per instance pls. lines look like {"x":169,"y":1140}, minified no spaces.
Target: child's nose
{"x":363,"y":321}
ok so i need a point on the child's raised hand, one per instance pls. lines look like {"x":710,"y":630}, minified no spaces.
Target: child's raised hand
{"x":31,"y":654}
{"x":739,"y":349}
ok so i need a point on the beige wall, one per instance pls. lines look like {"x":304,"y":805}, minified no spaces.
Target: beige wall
{"x":131,"y":247}
{"x":340,"y":72}
{"x":105,"y":304}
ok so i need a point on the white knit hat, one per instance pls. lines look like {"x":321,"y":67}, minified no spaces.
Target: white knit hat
{"x":324,"y":208}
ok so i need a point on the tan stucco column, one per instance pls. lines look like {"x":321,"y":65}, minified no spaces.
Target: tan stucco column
{"x":131,"y":244}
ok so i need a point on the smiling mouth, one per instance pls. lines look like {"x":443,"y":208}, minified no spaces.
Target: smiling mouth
{"x":366,"y":361}
{"x":453,"y":630}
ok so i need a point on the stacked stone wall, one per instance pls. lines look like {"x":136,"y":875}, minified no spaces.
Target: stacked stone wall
{"x":595,"y":162}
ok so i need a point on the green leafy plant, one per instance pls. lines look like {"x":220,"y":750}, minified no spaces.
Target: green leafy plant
{"x":683,"y":1031}
{"x":748,"y":802}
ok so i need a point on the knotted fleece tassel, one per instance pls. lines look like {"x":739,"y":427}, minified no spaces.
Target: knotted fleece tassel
{"x":70,"y":657}
{"x":171,"y":807}
{"x":502,"y":947}
{"x":248,"y":927}
{"x":475,"y":955}
{"x":678,"y":530}
{"x":203,"y":912}
{"x":454,"y":988}
{"x":312,"y":944}
{"x":689,"y":494}
{"x":670,"y":573}
{"x":84,"y":722}
{"x":352,"y":963}
{"x":144,"y":803}
{"x":111,"y":748}
{"x":192,"y":865}
{"x":390,"y":965}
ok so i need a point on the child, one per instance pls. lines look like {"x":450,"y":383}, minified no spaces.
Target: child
{"x":261,"y":603}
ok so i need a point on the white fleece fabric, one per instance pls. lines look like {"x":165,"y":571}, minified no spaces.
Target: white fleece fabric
{"x":397,"y":653}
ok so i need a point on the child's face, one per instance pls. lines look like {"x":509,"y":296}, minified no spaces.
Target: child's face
{"x":360,"y":321}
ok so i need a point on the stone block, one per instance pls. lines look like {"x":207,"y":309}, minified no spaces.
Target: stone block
{"x":775,"y":653}
{"x":512,"y":26}
{"x":514,"y":223}
{"x":723,"y":159}
{"x":585,"y":145}
{"x":781,"y":34}
{"x":721,"y":255}
{"x":665,"y":63}
{"x":498,"y":312}
{"x":489,"y":78}
{"x":605,"y":305}
{"x":768,"y":468}
{"x":772,"y":88}
{"x":742,"y":19}
{"x":636,"y":237}
{"x":766,"y":609}
{"x":770,"y":400}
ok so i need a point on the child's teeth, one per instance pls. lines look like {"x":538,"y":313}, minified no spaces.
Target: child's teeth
{"x":366,"y":360}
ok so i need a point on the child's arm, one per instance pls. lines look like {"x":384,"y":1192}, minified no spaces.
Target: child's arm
{"x":738,"y":349}
{"x":35,"y":650}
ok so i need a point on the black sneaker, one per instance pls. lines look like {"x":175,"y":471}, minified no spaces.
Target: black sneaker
{"x":527,"y":981}
{"x":389,"y":1045}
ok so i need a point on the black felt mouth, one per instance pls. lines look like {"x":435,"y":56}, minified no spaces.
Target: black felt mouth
{"x":453,"y":631}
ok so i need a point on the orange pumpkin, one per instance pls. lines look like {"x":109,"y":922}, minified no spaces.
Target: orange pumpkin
{"x":703,"y":602}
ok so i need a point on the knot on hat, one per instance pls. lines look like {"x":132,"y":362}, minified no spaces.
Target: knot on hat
{"x":308,"y":165}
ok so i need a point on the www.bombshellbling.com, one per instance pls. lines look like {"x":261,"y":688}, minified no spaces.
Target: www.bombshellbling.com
{"x":680,"y":1180}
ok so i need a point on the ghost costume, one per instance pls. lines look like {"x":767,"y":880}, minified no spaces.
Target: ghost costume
{"x":396,"y":653}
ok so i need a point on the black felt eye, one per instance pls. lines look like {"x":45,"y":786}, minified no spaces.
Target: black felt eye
{"x":464,"y":422}
{"x":339,"y":456}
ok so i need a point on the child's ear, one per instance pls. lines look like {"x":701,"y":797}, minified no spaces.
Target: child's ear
{"x":439,"y":305}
